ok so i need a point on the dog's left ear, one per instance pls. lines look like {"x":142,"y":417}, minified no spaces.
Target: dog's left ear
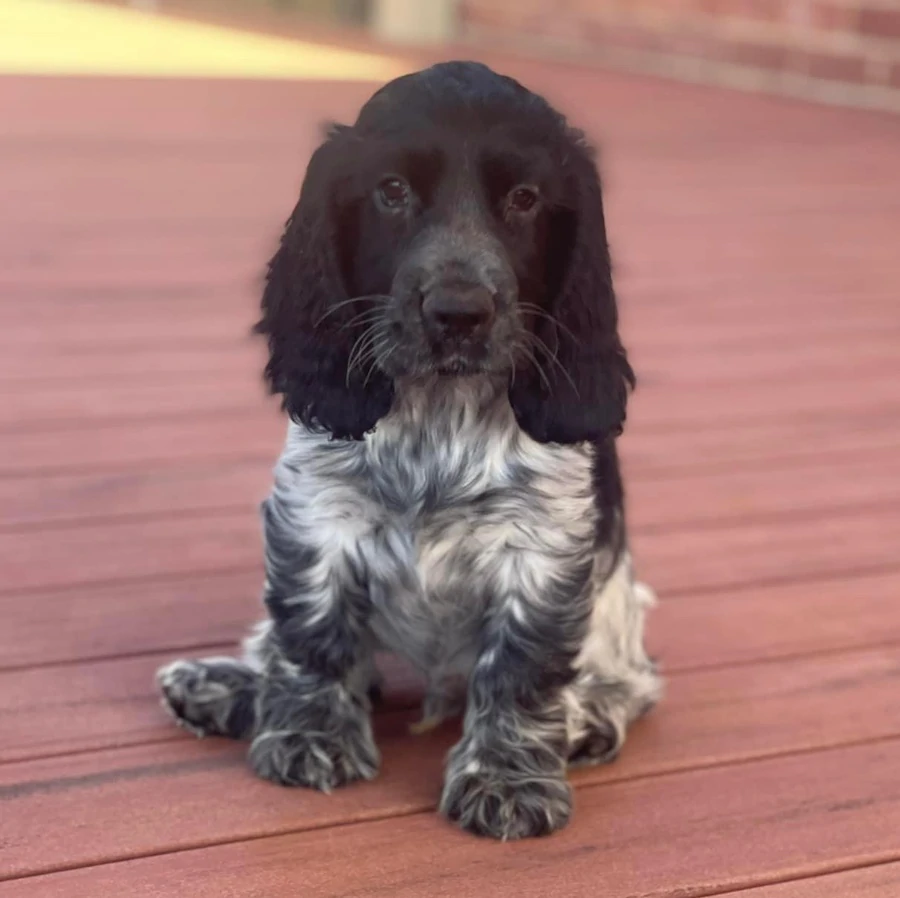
{"x":583,"y":391}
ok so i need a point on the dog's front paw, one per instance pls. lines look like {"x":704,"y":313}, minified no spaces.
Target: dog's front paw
{"x":516,"y":795}
{"x":213,"y":696}
{"x":313,"y":758}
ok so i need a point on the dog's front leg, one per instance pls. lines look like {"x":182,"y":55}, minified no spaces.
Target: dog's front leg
{"x":313,"y":723}
{"x":506,"y":778}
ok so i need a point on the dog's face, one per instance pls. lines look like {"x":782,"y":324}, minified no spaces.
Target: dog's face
{"x":445,"y":247}
{"x":455,"y":229}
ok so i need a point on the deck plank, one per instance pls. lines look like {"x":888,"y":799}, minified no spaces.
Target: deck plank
{"x":189,"y":614}
{"x":880,"y":881}
{"x":129,"y":617}
{"x":258,"y":433}
{"x":706,"y":557}
{"x":822,"y":362}
{"x":653,"y":408}
{"x":675,"y":501}
{"x":160,"y":313}
{"x":87,"y":554}
{"x":786,"y":705}
{"x":706,"y":831}
{"x":689,"y":559}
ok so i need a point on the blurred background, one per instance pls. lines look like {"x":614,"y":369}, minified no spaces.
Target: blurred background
{"x":843,"y":51}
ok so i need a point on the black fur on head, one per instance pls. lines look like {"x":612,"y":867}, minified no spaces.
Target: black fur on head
{"x":456,"y":229}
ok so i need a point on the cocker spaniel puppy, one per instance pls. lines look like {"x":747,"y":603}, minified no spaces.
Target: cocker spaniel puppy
{"x":443,"y":331}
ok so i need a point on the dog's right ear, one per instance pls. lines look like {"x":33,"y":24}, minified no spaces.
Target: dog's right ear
{"x":308,"y":334}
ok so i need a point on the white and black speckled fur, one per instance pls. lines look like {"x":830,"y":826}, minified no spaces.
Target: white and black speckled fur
{"x":459,"y":501}
{"x":443,"y":511}
{"x":450,"y":537}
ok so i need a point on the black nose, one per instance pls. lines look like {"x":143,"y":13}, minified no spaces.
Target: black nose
{"x":459,"y":311}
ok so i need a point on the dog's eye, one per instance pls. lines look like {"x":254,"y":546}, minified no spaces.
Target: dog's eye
{"x":521,"y":199}
{"x":393,"y":194}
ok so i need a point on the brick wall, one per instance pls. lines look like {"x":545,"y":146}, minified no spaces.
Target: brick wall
{"x":845,"y":51}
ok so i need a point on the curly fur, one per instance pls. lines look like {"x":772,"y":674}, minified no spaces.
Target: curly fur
{"x":449,"y":495}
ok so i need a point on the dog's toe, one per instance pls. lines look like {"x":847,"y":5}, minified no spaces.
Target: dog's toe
{"x":600,"y":745}
{"x":504,"y":805}
{"x":213,"y":696}
{"x":178,"y":683}
{"x":315,"y":761}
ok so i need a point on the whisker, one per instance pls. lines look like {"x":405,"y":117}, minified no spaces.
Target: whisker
{"x":537,"y":310}
{"x":534,"y":360}
{"x":374,"y":297}
{"x":552,"y":356}
{"x":361,"y":346}
{"x":375,"y":361}
{"x":360,"y":351}
{"x":370,"y":355}
{"x":367,"y":317}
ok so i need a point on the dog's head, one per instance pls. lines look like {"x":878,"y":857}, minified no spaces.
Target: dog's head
{"x":455,"y":229}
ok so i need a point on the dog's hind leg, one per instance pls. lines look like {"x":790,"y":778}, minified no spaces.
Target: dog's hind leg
{"x":616,"y":682}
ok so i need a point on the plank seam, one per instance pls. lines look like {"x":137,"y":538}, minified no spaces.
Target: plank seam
{"x":800,"y":876}
{"x":699,"y":524}
{"x":645,"y":471}
{"x":877,"y":410}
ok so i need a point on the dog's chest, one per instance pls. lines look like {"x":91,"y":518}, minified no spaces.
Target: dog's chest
{"x":437,"y":510}
{"x":447,"y":506}
{"x":443,"y":557}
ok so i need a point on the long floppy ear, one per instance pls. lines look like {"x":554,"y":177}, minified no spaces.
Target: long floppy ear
{"x":308,"y":334}
{"x":582,"y":393}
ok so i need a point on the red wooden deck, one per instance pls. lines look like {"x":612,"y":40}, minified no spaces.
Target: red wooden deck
{"x":758,"y":265}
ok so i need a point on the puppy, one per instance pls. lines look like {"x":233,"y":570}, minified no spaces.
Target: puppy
{"x":442,"y":328}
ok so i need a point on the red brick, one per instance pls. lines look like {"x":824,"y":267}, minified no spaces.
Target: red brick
{"x":879,"y":22}
{"x":694,"y":43}
{"x":693,"y":28}
{"x":590,"y":8}
{"x":626,"y":37}
{"x":479,"y":14}
{"x":847,"y":69}
{"x":834,"y":17}
{"x":558,"y":28}
{"x":766,"y":10}
{"x":894,"y":79}
{"x":501,"y":13}
{"x":755,"y":55}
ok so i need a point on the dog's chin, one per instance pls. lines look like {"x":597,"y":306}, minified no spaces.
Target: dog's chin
{"x":467,"y":362}
{"x":459,"y":367}
{"x":477,"y":362}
